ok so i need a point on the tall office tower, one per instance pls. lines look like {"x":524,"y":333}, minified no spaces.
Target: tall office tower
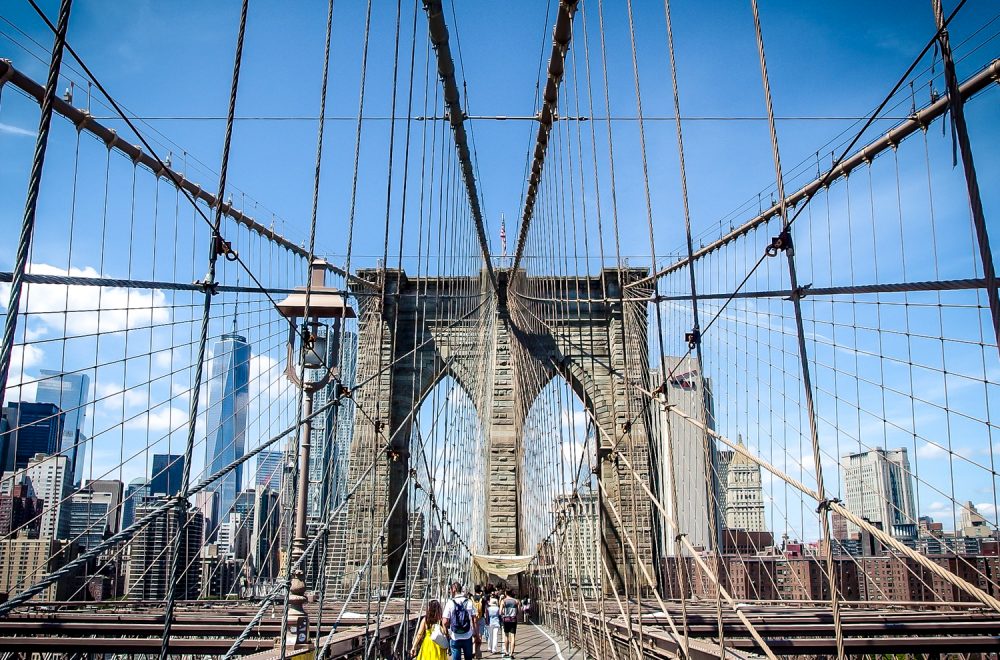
{"x":20,"y":513}
{"x":208,"y":503}
{"x":150,"y":554}
{"x":269,"y":464}
{"x":47,"y":478}
{"x":697,"y":486}
{"x":744,"y":494}
{"x":878,"y":486}
{"x":88,"y":512}
{"x":331,"y":433}
{"x":578,"y":545}
{"x":70,"y":393}
{"x":723,"y":457}
{"x":345,"y":418}
{"x":136,"y":494}
{"x":228,"y":397}
{"x":114,"y":489}
{"x":264,"y":540}
{"x":165,"y":478}
{"x":35,"y":428}
{"x":23,"y":560}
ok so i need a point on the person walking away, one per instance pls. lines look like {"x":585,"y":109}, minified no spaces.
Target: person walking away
{"x":460,"y":622}
{"x":508,"y":617}
{"x":479,"y":603}
{"x":526,"y":608}
{"x":493,"y":619}
{"x":430,"y":642}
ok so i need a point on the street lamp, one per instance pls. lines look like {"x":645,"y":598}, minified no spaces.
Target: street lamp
{"x":317,"y":350}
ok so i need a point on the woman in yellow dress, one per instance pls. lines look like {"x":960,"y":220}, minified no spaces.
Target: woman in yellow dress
{"x":425,"y":648}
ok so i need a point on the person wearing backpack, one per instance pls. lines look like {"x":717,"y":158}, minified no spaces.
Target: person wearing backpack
{"x":508,"y":617}
{"x":461,"y":623}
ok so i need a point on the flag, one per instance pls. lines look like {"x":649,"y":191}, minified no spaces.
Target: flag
{"x":685,"y":381}
{"x":503,"y":235}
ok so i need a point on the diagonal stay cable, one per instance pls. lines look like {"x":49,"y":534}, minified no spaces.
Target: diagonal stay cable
{"x":835,"y":171}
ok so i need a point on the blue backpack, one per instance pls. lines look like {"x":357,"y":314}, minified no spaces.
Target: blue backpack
{"x":460,"y":622}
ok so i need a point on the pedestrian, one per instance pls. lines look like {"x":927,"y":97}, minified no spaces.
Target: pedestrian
{"x":493,"y":619}
{"x":526,"y":608}
{"x":461,"y":623}
{"x":508,"y":617}
{"x":479,"y":602}
{"x":430,"y":642}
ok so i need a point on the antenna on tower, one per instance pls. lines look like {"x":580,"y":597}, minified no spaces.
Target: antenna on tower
{"x":236,"y":305}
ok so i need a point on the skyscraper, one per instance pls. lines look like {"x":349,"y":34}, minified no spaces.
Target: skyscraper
{"x":165,"y":478}
{"x":264,"y":540}
{"x":693,"y":462}
{"x":269,"y":465}
{"x":744,"y":494}
{"x":20,"y":513}
{"x":69,"y":392}
{"x":35,"y":428}
{"x":332,"y":431}
{"x":136,"y":493}
{"x":88,"y":513}
{"x":48,"y":479}
{"x":878,"y":486}
{"x":148,"y":571}
{"x":228,"y":397}
{"x":114,"y":489}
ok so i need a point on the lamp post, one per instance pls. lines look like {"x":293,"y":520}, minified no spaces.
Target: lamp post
{"x":314,"y":347}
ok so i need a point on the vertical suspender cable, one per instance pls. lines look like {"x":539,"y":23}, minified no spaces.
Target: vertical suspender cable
{"x":807,"y":387}
{"x":180,"y":505}
{"x":31,"y":203}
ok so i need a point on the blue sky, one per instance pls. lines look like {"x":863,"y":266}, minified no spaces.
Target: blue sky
{"x":175,"y":59}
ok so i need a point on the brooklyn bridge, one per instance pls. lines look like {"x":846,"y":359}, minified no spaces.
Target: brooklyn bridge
{"x":274,"y":376}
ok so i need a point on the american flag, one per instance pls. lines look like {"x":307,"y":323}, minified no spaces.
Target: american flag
{"x":503,"y":235}
{"x":685,"y":381}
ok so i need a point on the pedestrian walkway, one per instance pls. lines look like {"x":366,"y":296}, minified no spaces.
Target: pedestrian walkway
{"x":539,"y":643}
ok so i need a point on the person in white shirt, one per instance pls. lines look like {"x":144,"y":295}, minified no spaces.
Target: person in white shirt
{"x":460,"y":623}
{"x":493,"y":620}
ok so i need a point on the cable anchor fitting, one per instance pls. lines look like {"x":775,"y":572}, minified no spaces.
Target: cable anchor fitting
{"x":824,"y":506}
{"x":693,"y":338}
{"x":208,"y":286}
{"x":780,"y":243}
{"x":225,"y":248}
{"x":800,"y":292}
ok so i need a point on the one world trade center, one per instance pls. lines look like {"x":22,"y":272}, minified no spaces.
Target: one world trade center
{"x":228,"y":397}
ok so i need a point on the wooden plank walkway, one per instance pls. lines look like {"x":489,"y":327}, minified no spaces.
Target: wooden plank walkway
{"x":537,"y":643}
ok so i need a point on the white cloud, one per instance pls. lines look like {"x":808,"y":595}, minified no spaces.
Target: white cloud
{"x":987,"y":509}
{"x":113,"y":397}
{"x":927,"y":450}
{"x":86,"y":310}
{"x":159,"y":420}
{"x":8,"y":129}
